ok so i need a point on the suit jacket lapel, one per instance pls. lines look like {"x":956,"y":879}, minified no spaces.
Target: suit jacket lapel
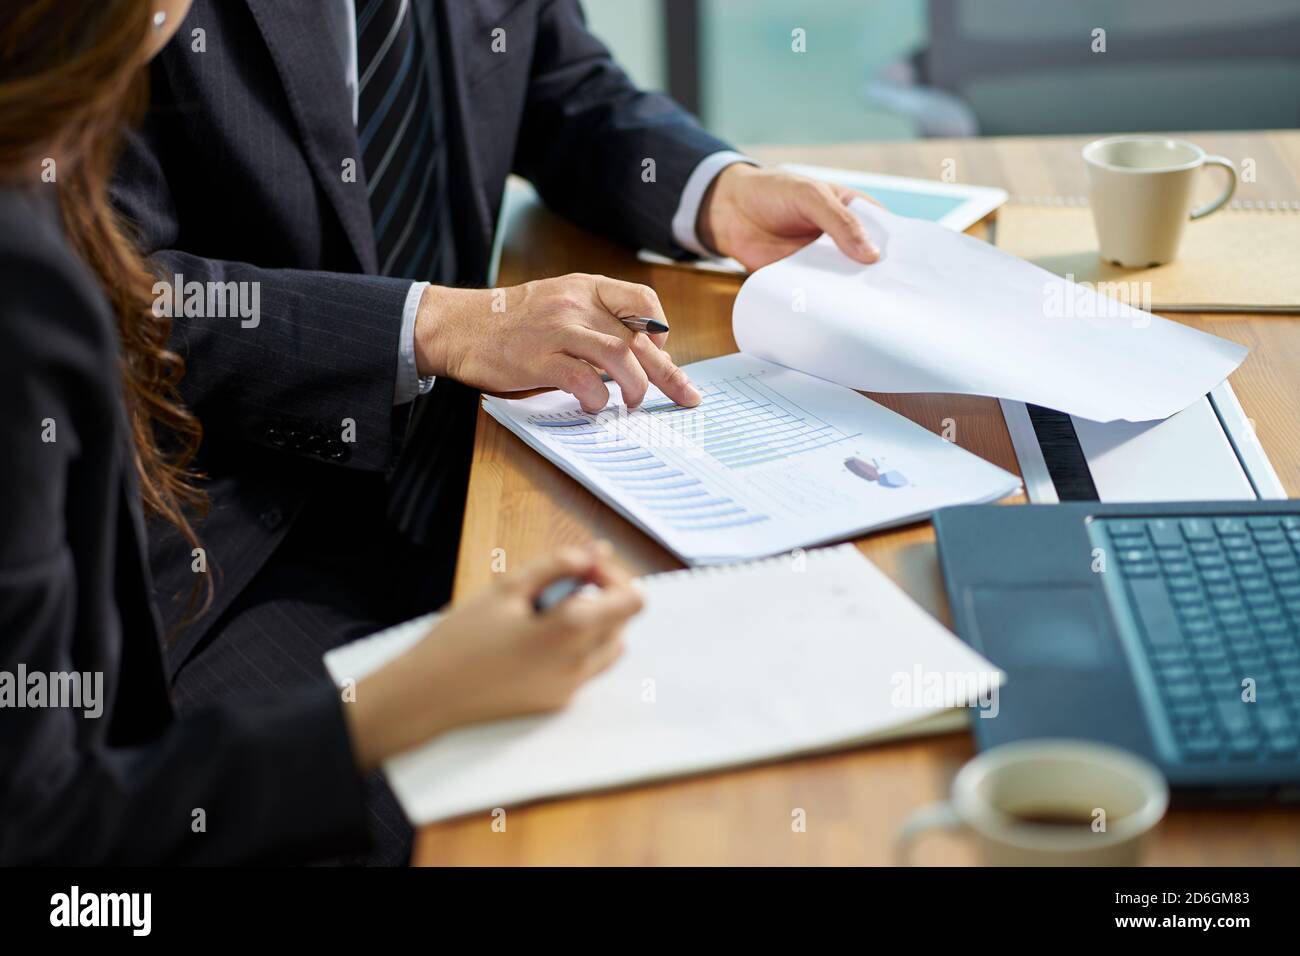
{"x":468,"y":199}
{"x":313,"y":79}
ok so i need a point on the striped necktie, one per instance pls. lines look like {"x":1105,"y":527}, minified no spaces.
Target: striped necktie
{"x":399,"y":128}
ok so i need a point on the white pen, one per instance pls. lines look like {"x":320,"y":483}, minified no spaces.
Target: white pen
{"x":641,"y":323}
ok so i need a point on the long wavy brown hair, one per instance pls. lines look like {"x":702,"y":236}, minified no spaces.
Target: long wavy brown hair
{"x":72,"y":75}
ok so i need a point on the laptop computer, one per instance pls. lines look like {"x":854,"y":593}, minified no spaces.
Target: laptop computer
{"x":1171,"y":630}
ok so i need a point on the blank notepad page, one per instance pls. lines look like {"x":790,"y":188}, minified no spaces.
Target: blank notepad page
{"x":725,"y":666}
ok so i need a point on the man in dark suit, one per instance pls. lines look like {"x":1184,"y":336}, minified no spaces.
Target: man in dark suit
{"x":342,"y":162}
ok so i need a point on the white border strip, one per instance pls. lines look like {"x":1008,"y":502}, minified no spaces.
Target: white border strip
{"x":1033,"y":468}
{"x":1254,"y":460}
{"x":1246,"y":443}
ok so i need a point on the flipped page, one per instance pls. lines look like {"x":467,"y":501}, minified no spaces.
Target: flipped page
{"x":945,"y":312}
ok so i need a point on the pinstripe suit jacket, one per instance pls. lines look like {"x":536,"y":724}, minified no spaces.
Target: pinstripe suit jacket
{"x":237,"y":175}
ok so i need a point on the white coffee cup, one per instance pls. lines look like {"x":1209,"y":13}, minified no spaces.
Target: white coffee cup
{"x":1141,"y":194}
{"x":1105,"y":801}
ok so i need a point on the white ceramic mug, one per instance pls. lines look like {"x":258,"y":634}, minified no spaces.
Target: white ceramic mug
{"x":1111,"y":798}
{"x":1141,"y":194}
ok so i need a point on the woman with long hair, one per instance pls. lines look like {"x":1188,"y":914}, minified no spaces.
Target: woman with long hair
{"x":94,"y":765}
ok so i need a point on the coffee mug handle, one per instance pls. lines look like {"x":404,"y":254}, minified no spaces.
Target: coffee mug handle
{"x":937,"y":816}
{"x":1210,"y":207}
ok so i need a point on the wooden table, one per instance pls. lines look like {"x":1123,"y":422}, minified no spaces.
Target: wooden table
{"x":854,"y":801}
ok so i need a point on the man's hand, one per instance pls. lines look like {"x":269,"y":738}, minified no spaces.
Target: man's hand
{"x":761,"y":215}
{"x":553,"y":332}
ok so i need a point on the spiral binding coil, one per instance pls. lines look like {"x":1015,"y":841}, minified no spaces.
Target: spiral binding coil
{"x":714,"y":570}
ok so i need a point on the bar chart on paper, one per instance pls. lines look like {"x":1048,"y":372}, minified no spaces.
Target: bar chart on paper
{"x":743,"y":425}
{"x":749,"y":424}
{"x":770,"y":460}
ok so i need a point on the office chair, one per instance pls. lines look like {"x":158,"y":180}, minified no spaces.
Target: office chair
{"x":1023,"y":66}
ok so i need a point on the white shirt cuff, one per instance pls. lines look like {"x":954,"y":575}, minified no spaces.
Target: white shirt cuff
{"x":409,"y":383}
{"x":688,"y":208}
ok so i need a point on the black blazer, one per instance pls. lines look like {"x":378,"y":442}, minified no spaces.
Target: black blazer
{"x":272,"y":783}
{"x":237,"y":176}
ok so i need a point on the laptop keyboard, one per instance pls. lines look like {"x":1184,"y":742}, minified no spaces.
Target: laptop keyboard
{"x":1217,"y":601}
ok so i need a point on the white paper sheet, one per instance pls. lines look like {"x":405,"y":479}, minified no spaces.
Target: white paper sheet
{"x":771,"y":460}
{"x":723,"y":667}
{"x":1186,"y":457}
{"x":944,"y":312}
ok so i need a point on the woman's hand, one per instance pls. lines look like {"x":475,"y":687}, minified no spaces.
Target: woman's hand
{"x":494,"y":656}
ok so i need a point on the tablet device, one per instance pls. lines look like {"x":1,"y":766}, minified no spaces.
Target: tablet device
{"x":955,"y":205}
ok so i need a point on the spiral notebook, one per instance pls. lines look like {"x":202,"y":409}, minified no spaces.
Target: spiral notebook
{"x":726,"y":666}
{"x":1245,"y":258}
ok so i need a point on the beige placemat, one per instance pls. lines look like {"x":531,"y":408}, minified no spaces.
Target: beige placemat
{"x":1236,"y":260}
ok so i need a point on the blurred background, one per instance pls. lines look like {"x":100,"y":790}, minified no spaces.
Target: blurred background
{"x":900,"y":69}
